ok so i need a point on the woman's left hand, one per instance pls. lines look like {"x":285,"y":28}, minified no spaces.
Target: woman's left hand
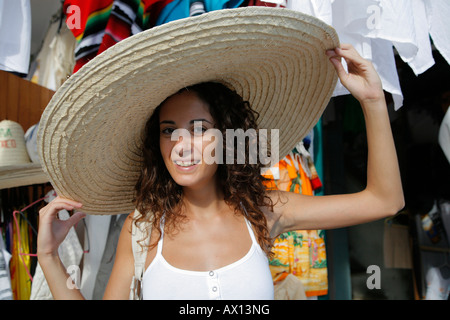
{"x":361,"y":80}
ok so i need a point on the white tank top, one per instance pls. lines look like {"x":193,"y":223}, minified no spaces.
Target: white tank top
{"x":249,"y":278}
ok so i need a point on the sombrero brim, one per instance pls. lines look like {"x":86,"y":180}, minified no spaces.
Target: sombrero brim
{"x":90,"y":133}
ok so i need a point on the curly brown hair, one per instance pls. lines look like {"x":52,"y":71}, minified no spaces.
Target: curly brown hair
{"x":158,"y":195}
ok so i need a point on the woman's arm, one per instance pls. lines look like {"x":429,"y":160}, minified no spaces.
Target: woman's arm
{"x":383,"y":195}
{"x":118,"y":287}
{"x":52,"y":233}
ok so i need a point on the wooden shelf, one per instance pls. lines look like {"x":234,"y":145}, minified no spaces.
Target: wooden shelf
{"x":22,"y":101}
{"x":21,"y":175}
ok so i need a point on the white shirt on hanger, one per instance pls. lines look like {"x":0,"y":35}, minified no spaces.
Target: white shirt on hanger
{"x":375,"y":27}
{"x":15,"y":35}
{"x":438,"y":12}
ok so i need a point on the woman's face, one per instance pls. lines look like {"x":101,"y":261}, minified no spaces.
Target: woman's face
{"x":183,"y":122}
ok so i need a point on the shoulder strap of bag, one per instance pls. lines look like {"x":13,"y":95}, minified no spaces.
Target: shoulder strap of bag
{"x":140,"y":254}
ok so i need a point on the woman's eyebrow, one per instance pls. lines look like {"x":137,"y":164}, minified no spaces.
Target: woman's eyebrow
{"x":191,"y":122}
{"x":167,"y":121}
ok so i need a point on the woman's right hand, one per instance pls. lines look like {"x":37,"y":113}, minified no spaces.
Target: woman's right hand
{"x":53,"y":231}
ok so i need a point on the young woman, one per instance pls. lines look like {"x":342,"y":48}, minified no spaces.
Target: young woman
{"x":213,"y":224}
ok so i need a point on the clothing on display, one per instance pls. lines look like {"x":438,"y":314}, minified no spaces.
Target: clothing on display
{"x":432,"y":224}
{"x":438,"y":12}
{"x":302,"y":252}
{"x":15,"y":36}
{"x":437,"y":286}
{"x":18,"y":226}
{"x":291,"y":288}
{"x":268,"y":3}
{"x":179,"y":9}
{"x":108,"y":257}
{"x":5,"y":278}
{"x":56,"y":58}
{"x":376,"y":27}
{"x":444,"y":135}
{"x":434,"y":251}
{"x":30,"y":142}
{"x":20,"y":262}
{"x":104,"y":23}
{"x":444,"y":208}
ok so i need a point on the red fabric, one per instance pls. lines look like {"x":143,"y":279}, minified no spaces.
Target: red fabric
{"x":86,"y":8}
{"x":107,"y":29}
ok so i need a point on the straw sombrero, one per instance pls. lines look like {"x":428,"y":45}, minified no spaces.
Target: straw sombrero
{"x":90,"y":133}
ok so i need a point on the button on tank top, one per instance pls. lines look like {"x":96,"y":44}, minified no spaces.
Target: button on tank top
{"x":248,"y":278}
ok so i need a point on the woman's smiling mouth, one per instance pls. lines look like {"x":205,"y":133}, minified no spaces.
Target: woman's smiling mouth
{"x":186,"y":164}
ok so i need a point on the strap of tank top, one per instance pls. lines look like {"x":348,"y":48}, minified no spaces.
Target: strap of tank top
{"x":249,"y":225}
{"x":161,"y":240}
{"x":140,"y":255}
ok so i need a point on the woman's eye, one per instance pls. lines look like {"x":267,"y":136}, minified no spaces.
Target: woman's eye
{"x":167,"y":131}
{"x":199,"y":130}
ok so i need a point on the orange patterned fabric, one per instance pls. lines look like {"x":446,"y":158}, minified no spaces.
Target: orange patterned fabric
{"x":302,"y":252}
